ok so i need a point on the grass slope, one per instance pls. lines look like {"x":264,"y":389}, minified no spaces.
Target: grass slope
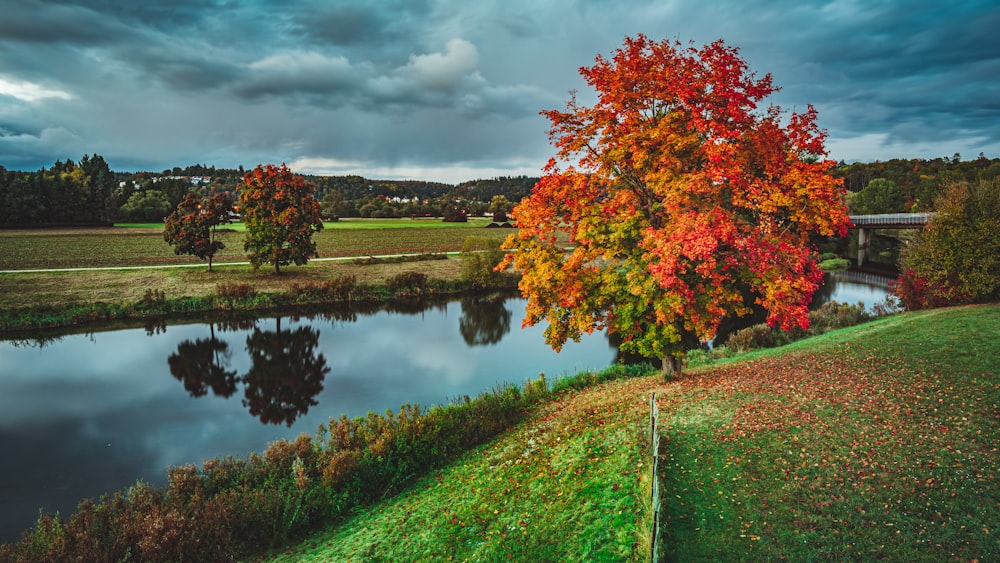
{"x":878,"y":441}
{"x":867,"y":443}
{"x":563,"y":487}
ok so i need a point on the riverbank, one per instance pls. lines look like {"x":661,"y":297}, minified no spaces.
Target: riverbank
{"x":31,"y":302}
{"x":88,"y":290}
{"x":872,"y":442}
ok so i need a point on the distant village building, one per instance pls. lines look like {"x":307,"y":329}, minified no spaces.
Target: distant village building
{"x":193,"y":180}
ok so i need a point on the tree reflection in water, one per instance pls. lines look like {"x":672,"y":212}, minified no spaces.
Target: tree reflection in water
{"x":485,"y":319}
{"x":201,"y":364}
{"x":285,"y":377}
{"x":286,"y":374}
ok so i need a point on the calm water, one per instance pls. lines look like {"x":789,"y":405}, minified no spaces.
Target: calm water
{"x":89,"y":414}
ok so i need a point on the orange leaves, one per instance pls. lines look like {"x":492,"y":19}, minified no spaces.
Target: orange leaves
{"x":281,"y":213}
{"x":679,"y":193}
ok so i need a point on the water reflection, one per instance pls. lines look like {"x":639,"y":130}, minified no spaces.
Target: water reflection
{"x":485,"y":319}
{"x":201,"y":365}
{"x":285,"y":376}
{"x":83,"y":415}
{"x":851,"y":287}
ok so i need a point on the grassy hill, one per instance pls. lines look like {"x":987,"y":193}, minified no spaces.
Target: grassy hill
{"x":874,"y":442}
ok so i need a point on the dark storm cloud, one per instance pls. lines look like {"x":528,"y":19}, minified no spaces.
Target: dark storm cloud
{"x":405,"y":86}
{"x":35,"y":21}
{"x":358,"y":23}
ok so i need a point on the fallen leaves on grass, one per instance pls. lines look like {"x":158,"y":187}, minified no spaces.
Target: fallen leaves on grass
{"x":847,"y":452}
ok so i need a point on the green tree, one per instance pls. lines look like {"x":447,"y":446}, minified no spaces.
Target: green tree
{"x":334,"y":206}
{"x":146,"y":206}
{"x":175,"y":189}
{"x":192,"y":227}
{"x":281,"y":214}
{"x":480,"y":255}
{"x":879,"y":196}
{"x":102,"y":185}
{"x":956,"y":258}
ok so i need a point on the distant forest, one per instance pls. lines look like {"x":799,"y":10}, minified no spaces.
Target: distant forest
{"x":88,"y":192}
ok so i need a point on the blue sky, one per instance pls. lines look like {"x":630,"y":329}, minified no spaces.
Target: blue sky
{"x":450,"y":90}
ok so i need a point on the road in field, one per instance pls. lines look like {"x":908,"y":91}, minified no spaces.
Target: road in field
{"x":201,"y":265}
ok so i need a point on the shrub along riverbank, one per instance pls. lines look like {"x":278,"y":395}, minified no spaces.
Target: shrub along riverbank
{"x":233,"y":508}
{"x":300,"y":291}
{"x":877,"y":441}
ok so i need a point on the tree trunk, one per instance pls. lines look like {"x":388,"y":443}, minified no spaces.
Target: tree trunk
{"x":672,"y":366}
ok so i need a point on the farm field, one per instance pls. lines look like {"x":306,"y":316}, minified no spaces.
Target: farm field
{"x":144,"y":246}
{"x":141,"y":245}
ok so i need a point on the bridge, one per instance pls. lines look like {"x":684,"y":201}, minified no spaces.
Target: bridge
{"x":868,"y":223}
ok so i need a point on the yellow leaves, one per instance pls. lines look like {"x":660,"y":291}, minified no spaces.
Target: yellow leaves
{"x":675,"y":190}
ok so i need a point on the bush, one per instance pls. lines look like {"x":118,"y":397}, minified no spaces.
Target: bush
{"x":233,"y":292}
{"x":753,"y":337}
{"x":828,"y":317}
{"x":407,"y":283}
{"x":480,"y":255}
{"x":341,"y":288}
{"x":956,"y":258}
{"x":835,"y":264}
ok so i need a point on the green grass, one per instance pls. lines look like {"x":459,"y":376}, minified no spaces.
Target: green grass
{"x":866,"y":443}
{"x":873,"y":442}
{"x":563,"y":487}
{"x":127,"y":246}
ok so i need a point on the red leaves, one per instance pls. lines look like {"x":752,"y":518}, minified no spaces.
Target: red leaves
{"x":676,"y":177}
{"x":190,"y":229}
{"x":281,"y":213}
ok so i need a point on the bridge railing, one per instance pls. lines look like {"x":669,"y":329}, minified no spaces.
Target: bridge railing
{"x":891,"y":219}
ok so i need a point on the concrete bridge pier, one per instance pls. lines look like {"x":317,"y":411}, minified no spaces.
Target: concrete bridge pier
{"x":866,"y":224}
{"x":864,"y":243}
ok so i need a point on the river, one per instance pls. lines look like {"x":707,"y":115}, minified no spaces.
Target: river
{"x":83,"y":415}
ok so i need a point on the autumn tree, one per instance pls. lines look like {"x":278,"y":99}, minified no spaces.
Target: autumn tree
{"x":281,"y":214}
{"x":681,"y":202}
{"x":956,"y":258}
{"x":192,"y":228}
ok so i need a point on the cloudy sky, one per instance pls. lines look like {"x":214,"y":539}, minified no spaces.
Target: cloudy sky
{"x":450,"y":90}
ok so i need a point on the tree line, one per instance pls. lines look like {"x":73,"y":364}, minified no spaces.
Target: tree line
{"x":88,"y":192}
{"x":909,"y":185}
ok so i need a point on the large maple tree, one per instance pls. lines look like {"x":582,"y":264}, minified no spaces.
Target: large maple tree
{"x":674,"y":201}
{"x":281,"y":213}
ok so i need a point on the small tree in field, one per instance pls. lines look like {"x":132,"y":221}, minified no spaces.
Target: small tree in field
{"x":281,"y":214}
{"x":681,"y":200}
{"x":192,"y":227}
